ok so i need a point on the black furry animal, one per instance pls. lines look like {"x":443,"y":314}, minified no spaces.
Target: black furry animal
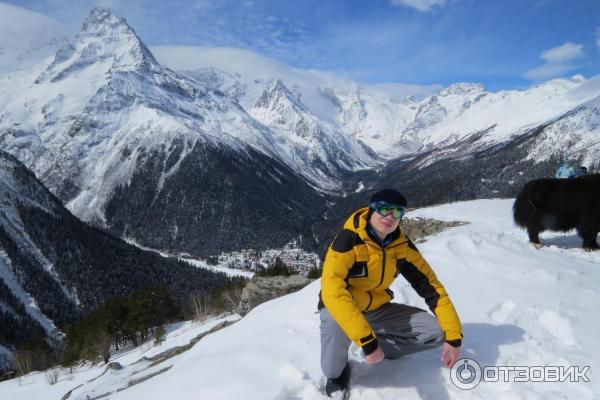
{"x":560,"y":205}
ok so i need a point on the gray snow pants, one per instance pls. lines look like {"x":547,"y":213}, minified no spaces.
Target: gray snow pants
{"x":400,"y":330}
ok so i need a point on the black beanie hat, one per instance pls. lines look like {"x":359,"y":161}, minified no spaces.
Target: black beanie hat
{"x":390,"y":196}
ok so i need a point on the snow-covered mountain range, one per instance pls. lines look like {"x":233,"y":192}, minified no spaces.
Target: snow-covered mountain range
{"x":390,"y":126}
{"x":104,"y":94}
{"x":125,"y":135}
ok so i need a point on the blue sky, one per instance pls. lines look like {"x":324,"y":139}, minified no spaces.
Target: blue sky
{"x":504,"y":44}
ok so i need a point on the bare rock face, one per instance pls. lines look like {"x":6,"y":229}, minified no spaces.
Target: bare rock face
{"x":114,"y":365}
{"x":261,"y":289}
{"x":416,"y":229}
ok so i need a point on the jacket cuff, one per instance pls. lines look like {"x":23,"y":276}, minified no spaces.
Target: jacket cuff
{"x":370,"y":347}
{"x":454,"y":343}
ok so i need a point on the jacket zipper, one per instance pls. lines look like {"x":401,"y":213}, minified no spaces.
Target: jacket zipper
{"x":380,"y":282}
{"x":382,"y":267}
{"x":383,"y":264}
{"x":382,"y":276}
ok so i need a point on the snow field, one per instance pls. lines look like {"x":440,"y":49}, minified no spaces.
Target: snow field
{"x":519,"y":306}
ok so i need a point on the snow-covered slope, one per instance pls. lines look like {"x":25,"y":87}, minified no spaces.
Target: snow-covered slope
{"x":469,"y":109}
{"x":576,"y":134}
{"x":135,"y":361}
{"x":26,"y":37}
{"x":519,"y":307}
{"x":18,"y":188}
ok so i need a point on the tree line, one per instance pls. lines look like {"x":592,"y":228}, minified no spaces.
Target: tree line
{"x":118,"y":323}
{"x":280,"y":268}
{"x":121,"y":322}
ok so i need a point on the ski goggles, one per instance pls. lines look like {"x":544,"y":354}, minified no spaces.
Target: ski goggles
{"x":384,"y":209}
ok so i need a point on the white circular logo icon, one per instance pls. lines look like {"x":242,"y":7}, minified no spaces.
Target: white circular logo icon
{"x":465,"y":374}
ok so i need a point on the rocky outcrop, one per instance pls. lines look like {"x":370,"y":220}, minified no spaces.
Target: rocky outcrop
{"x":264,"y":288}
{"x":114,"y":365}
{"x":416,"y":229}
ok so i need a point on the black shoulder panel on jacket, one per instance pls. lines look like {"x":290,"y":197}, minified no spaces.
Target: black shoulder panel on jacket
{"x":359,"y":269}
{"x":345,"y":241}
{"x":419,"y":283}
{"x":412,"y":245}
{"x":356,"y":220}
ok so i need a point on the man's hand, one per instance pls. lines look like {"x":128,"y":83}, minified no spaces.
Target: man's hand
{"x":450,"y":355}
{"x":376,"y":356}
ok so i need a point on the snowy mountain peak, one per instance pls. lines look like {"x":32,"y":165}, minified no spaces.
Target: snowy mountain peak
{"x":578,"y":78}
{"x":283,"y":111}
{"x":448,"y":103}
{"x":557,"y":86}
{"x":410,"y":101}
{"x":278,"y":107}
{"x":105,"y":39}
{"x":463,"y":89}
{"x":277,"y":95}
{"x":113,"y":33}
{"x":101,"y":18}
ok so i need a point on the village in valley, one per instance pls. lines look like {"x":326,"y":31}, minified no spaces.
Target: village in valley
{"x":249,"y":260}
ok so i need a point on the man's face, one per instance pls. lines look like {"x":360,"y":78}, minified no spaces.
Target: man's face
{"x":384,"y":225}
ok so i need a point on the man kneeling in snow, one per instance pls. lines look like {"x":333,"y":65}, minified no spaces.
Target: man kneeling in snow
{"x":355,"y":300}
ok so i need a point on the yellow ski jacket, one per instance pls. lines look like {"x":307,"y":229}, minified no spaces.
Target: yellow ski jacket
{"x":358,"y":272}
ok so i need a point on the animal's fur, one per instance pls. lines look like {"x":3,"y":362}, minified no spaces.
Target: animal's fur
{"x":560,"y":205}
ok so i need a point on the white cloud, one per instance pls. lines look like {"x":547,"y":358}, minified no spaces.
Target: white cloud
{"x":548,"y":71}
{"x":26,"y":37}
{"x":562,"y":53}
{"x":420,"y":5}
{"x":557,"y":61}
{"x":399,"y":91}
